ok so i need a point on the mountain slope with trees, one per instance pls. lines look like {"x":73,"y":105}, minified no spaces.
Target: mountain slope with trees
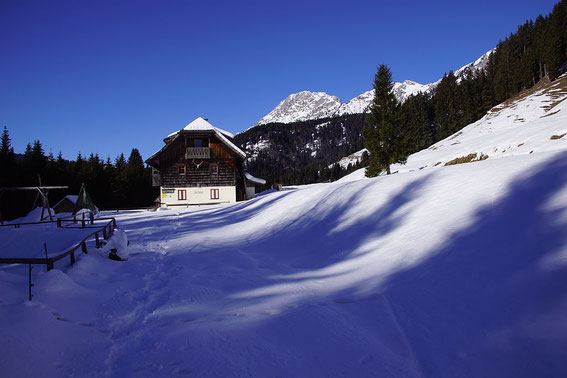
{"x":537,"y":50}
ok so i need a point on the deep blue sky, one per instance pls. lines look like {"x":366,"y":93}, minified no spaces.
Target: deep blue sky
{"x":107,"y":76}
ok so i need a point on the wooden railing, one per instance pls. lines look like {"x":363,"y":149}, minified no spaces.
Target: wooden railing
{"x":106,"y":231}
{"x":198,"y":153}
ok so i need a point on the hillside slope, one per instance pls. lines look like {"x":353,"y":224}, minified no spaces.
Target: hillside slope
{"x":533,"y":121}
{"x":454,"y":271}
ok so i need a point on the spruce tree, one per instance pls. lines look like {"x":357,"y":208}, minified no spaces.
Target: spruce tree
{"x":6,"y":149}
{"x":7,"y":160}
{"x":383,"y":136}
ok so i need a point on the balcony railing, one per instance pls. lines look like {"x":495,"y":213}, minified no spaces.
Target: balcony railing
{"x":198,"y":153}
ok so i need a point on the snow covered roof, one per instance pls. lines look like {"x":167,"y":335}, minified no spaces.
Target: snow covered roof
{"x":254,"y":180}
{"x":230,"y":145}
{"x":201,"y":124}
{"x":71,"y":197}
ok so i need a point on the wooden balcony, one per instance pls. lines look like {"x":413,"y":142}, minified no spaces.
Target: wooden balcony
{"x":198,"y":153}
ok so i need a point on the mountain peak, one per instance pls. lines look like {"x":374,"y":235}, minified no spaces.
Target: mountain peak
{"x":306,"y":105}
{"x":302,"y":106}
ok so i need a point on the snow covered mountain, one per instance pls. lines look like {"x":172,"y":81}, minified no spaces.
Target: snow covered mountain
{"x":307,"y":105}
{"x":303,"y":106}
{"x":361,"y":103}
{"x":479,"y":64}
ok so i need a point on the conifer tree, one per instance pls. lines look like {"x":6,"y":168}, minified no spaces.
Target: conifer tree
{"x":6,"y":149}
{"x":7,"y":160}
{"x":383,"y":136}
{"x":416,"y":122}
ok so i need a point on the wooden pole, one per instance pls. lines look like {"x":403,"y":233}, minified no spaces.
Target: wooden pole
{"x":47,"y":262}
{"x":30,"y":283}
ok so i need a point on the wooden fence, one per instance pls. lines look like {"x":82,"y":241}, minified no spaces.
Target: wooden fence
{"x":106,"y":231}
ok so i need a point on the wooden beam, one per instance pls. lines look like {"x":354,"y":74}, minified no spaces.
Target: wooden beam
{"x":14,"y":188}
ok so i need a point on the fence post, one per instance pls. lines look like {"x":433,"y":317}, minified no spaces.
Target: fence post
{"x":104,"y":235}
{"x":84,"y":248}
{"x":97,"y":240}
{"x":83,"y":223}
{"x":30,"y":284}
{"x":72,"y":257}
{"x":58,"y":222}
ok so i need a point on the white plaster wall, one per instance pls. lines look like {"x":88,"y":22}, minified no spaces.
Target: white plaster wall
{"x":196,"y":196}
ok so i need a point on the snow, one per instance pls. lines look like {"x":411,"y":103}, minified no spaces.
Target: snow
{"x":35,"y":216}
{"x":456,"y":271}
{"x":519,"y":127}
{"x":307,"y":105}
{"x":71,"y":197}
{"x":201,"y":124}
{"x":351,"y":159}
{"x":303,"y":106}
{"x":254,"y":149}
{"x":28,"y":241}
{"x":438,"y":272}
{"x":254,"y":180}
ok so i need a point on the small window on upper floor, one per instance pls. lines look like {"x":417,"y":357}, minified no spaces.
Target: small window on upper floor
{"x":181,"y":170}
{"x":214,"y":169}
{"x":197,"y":142}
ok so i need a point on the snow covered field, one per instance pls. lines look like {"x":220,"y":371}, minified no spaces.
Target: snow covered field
{"x":457,"y":271}
{"x":449,"y":272}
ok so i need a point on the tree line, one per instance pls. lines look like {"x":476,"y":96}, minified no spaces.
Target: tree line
{"x":393,"y":131}
{"x":121,"y":183}
{"x":302,"y":152}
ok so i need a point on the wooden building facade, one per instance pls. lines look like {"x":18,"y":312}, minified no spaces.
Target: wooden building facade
{"x":198,"y":165}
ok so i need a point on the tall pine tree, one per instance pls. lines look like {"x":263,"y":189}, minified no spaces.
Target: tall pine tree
{"x":383,"y":136}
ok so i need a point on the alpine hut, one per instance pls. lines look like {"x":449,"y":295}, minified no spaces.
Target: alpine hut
{"x":200,"y":164}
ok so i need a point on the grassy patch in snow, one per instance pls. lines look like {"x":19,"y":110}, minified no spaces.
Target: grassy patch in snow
{"x":554,"y":137}
{"x":467,"y":159}
{"x":556,"y":91}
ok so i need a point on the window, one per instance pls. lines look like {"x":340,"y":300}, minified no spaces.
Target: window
{"x":215,"y":194}
{"x":181,"y":170}
{"x":197,"y":142}
{"x":214,"y":169}
{"x":181,"y":194}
